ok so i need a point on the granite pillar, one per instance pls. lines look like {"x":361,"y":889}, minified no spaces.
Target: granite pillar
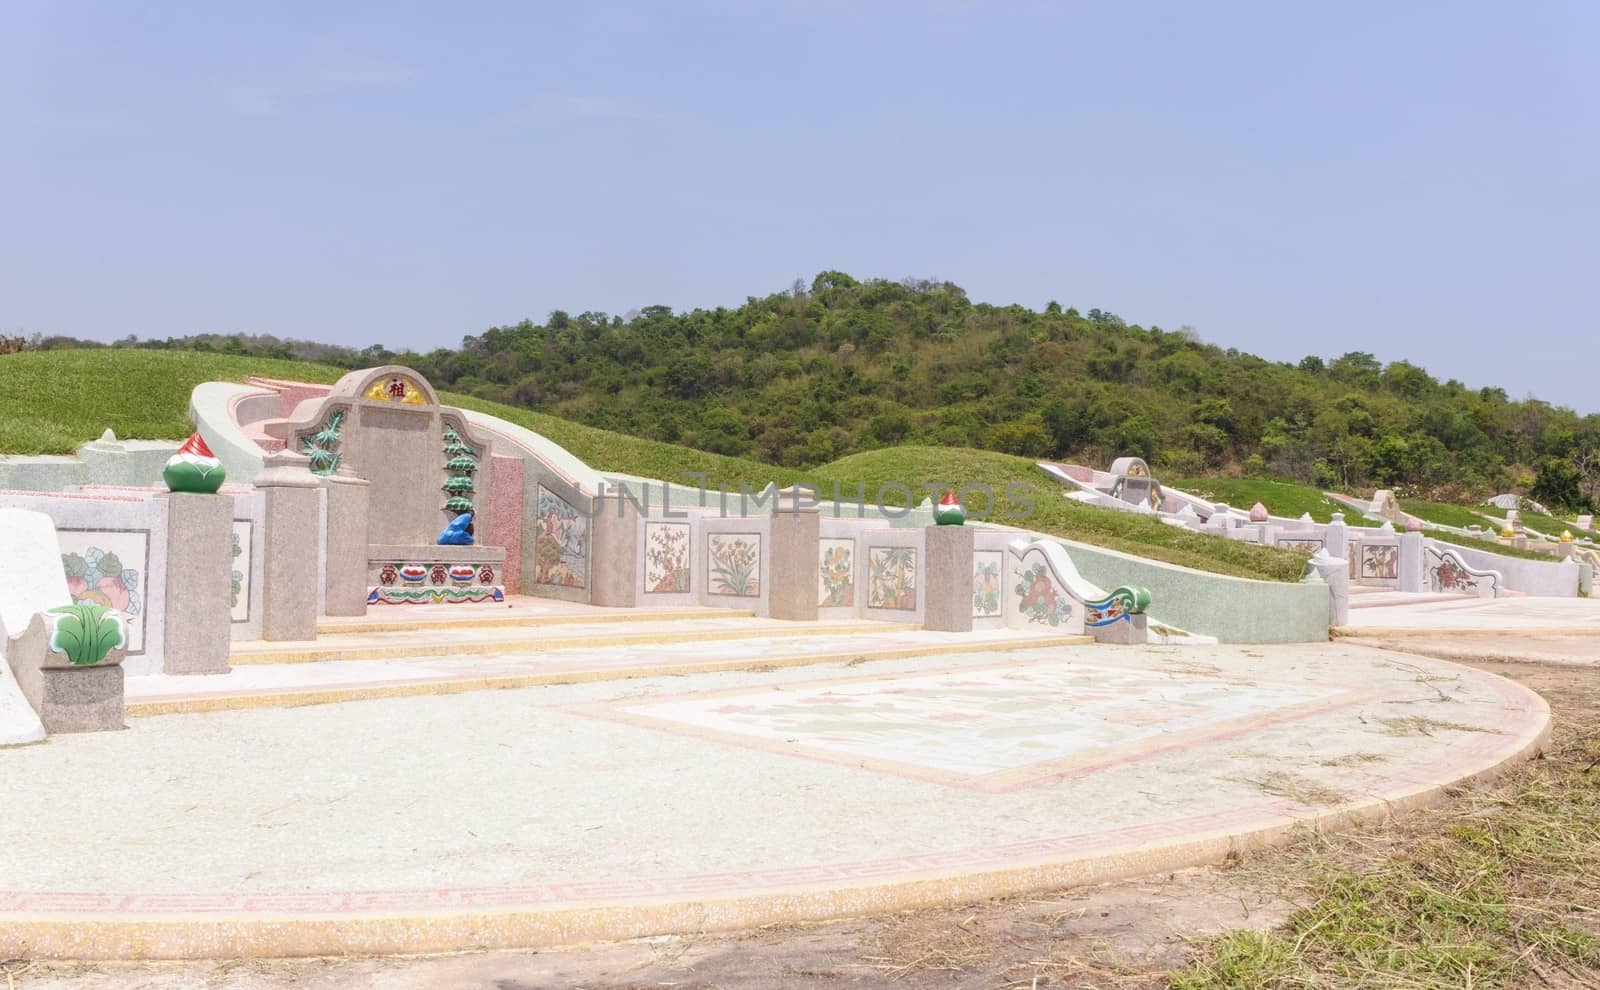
{"x":199,"y":620}
{"x":797,"y":556}
{"x":1335,"y":573}
{"x":949,"y":579}
{"x":345,"y":577}
{"x":289,"y":558}
{"x":614,"y":551}
{"x":1413,"y":571}
{"x":503,"y":527}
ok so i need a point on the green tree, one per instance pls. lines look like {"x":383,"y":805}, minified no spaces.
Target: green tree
{"x":1560,"y":487}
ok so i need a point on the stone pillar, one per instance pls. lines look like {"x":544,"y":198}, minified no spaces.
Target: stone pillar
{"x":797,"y":556}
{"x":199,"y":621}
{"x":1336,"y":538}
{"x":503,"y":527}
{"x":1413,"y":571}
{"x":289,"y":558}
{"x":1335,"y":573}
{"x":614,"y":551}
{"x":949,"y":579}
{"x":345,"y":579}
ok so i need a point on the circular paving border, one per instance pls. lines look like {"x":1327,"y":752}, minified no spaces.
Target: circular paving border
{"x":112,"y":926}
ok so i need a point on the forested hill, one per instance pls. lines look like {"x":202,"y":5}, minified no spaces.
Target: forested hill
{"x":802,"y":377}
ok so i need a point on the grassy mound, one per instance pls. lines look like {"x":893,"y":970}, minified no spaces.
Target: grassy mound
{"x":57,"y":400}
{"x":1282,"y":498}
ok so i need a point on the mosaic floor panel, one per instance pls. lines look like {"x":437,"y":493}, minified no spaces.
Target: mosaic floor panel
{"x":990,"y":729}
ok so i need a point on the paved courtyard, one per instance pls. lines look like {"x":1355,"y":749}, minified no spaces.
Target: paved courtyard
{"x":715,"y":800}
{"x":1386,"y":613}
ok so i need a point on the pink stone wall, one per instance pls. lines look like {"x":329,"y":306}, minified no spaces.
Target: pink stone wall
{"x":503,"y":528}
{"x":291,"y":394}
{"x":1075,"y":471}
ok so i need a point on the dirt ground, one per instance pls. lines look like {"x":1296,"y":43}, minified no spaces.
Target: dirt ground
{"x":1107,"y":937}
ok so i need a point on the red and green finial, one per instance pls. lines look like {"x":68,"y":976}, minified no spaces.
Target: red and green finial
{"x":949,"y":512}
{"x":194,"y":468}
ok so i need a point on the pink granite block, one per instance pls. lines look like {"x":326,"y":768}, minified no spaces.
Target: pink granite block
{"x":503,"y":528}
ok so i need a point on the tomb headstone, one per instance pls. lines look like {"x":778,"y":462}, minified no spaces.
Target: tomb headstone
{"x":1133,"y":482}
{"x":424,"y":466}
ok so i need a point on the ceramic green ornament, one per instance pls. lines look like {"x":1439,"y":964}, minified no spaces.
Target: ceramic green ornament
{"x":194,"y":468}
{"x":949,"y":511}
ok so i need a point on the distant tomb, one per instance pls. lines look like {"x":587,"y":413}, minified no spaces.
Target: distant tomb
{"x":1133,"y":482}
{"x":1385,"y":505}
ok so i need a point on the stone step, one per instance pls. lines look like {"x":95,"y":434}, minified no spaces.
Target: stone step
{"x":336,"y":681}
{"x":474,"y":617}
{"x":400,"y":644}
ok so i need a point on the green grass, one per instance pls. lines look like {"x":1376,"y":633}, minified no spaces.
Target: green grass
{"x":1489,"y":517}
{"x":604,"y":450}
{"x":1053,"y":513}
{"x":1282,"y":498}
{"x":1553,"y":526}
{"x":1492,"y":547}
{"x":57,"y":400}
{"x":1445,"y":514}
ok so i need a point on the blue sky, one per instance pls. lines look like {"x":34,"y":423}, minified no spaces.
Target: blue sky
{"x":1415,"y":180}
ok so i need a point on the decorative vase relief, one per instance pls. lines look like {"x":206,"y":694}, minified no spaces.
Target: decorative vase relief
{"x":239,"y":588}
{"x":100,"y":571}
{"x":666,"y":558}
{"x":986,"y":565}
{"x":892,"y":578}
{"x":734,"y":564}
{"x":1450,"y":576}
{"x":461,"y":461}
{"x":396,"y":388}
{"x":561,"y":543}
{"x":1380,"y":562}
{"x":1039,"y":598}
{"x":836,"y":578}
{"x":322,"y":447}
{"x":434,"y":584}
{"x":1449,"y":573}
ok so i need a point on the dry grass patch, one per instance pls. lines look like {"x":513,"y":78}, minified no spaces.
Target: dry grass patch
{"x":1499,"y":888}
